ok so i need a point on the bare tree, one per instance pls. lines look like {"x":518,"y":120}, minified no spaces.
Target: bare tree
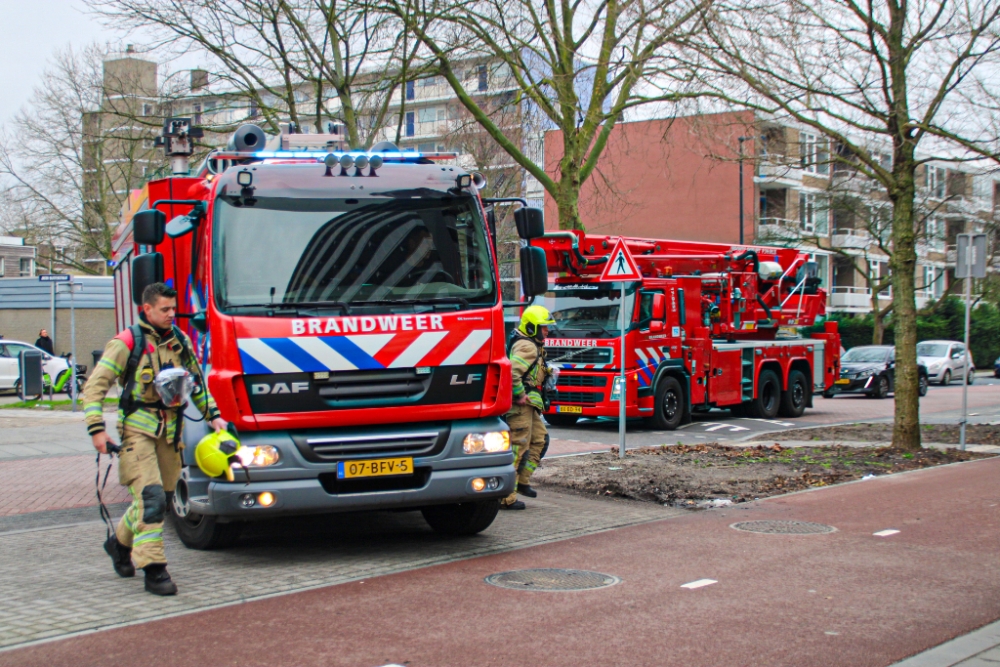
{"x":898,"y":70}
{"x":308,"y":61}
{"x":579,"y":66}
{"x":58,"y":191}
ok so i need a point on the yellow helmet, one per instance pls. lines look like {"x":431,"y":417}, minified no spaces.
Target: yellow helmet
{"x":532,"y":318}
{"x":213,"y":452}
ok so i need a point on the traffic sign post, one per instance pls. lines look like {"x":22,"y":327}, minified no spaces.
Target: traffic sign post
{"x":73,"y":289}
{"x":970,"y":263}
{"x":52,"y":279}
{"x":621,"y":267}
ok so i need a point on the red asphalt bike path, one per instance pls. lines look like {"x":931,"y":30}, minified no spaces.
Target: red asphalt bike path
{"x":845,"y":598}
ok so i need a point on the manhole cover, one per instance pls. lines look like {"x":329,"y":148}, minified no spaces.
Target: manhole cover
{"x":548,"y":579}
{"x":784,"y":527}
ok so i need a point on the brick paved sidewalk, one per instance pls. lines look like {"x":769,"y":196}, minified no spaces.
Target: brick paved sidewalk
{"x":54,"y":483}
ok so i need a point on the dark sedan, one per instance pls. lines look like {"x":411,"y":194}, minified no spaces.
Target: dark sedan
{"x":871,"y":370}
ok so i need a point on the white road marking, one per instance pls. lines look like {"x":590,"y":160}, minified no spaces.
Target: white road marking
{"x":698,"y":584}
{"x":885,"y":533}
{"x":732,"y":428}
{"x":768,"y":421}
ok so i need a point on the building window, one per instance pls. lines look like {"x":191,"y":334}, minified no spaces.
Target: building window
{"x":936,"y":182}
{"x":411,"y":125}
{"x":254,"y":110}
{"x":1,"y":267}
{"x":814,"y":154}
{"x":813,"y":214}
{"x":482,"y":73}
{"x":147,"y":109}
{"x":197,"y":114}
{"x":411,"y":90}
{"x":27,"y":267}
{"x":879,"y":270}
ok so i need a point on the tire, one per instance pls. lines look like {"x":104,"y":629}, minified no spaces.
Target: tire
{"x":946,"y":378}
{"x":198,"y":531}
{"x":462,"y":518}
{"x":828,"y":394}
{"x":923,"y":385}
{"x":972,"y":375}
{"x":794,"y":399}
{"x":881,"y":387}
{"x":668,"y":410}
{"x":768,"y":400}
{"x":739,"y":410}
{"x":561,"y":420}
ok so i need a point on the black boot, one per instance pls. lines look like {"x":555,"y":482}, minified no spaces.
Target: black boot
{"x":120,"y":556}
{"x":516,"y":505}
{"x":158,"y":580}
{"x":525,"y":490}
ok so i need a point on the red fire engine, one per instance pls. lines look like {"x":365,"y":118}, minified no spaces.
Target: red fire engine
{"x":346,"y":307}
{"x":702,"y":331}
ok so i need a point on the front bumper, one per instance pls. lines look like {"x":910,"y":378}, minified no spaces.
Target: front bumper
{"x":302,"y":486}
{"x":855,"y":386}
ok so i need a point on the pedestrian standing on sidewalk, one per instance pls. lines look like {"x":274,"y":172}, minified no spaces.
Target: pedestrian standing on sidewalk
{"x":44,"y":342}
{"x":527,"y":430}
{"x":149,"y":462}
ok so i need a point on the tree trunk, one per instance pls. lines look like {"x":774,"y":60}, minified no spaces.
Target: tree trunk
{"x":568,"y":192}
{"x":906,"y":428}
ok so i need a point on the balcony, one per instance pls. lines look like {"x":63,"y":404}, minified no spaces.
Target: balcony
{"x":771,"y":173}
{"x":923,"y":297}
{"x":779,"y":230}
{"x":851,"y":299}
{"x":847,"y":238}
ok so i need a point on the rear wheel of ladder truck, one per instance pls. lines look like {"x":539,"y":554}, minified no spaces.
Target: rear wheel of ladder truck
{"x":668,"y":411}
{"x":199,"y":531}
{"x":768,"y":399}
{"x":794,"y":399}
{"x":462,"y":518}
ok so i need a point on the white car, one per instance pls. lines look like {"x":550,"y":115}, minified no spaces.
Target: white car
{"x":945,"y":360}
{"x":10,"y":374}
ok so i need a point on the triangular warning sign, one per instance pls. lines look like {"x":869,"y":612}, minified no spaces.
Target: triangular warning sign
{"x":621,"y":267}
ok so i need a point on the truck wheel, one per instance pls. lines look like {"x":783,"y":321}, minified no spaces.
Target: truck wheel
{"x":561,"y":420}
{"x":669,"y":408}
{"x":198,"y":531}
{"x":768,"y":400}
{"x":463,"y":518}
{"x":793,"y":400}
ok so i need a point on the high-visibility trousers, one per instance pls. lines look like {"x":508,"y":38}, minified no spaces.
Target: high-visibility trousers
{"x":527,"y":439}
{"x":150,"y":468}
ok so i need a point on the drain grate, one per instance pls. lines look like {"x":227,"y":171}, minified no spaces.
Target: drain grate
{"x":784,"y":527}
{"x":552,"y":579}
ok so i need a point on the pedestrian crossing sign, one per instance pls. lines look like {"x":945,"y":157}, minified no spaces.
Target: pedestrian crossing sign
{"x":621,"y":266}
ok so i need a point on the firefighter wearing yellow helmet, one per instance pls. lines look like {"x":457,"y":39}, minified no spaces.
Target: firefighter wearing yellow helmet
{"x":527,"y":430}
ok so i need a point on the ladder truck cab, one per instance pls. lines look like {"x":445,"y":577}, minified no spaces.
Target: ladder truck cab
{"x":346,"y":308}
{"x":702,"y":330}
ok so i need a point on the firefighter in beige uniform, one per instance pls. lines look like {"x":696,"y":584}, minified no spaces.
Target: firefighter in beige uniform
{"x":527,"y":430}
{"x":149,"y":461}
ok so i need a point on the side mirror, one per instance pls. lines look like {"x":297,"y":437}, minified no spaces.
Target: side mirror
{"x":659,"y":307}
{"x":180,"y":226}
{"x":656,"y":326}
{"x":148,"y":227}
{"x":534,"y":271}
{"x":146,"y":270}
{"x":529,"y":222}
{"x":199,"y":322}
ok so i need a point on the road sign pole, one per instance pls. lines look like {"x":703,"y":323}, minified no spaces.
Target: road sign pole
{"x":965,"y":375}
{"x":622,"y":393}
{"x":72,"y":338}
{"x":970,"y":256}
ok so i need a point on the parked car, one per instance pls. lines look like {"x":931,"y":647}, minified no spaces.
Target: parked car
{"x":945,"y":360}
{"x":871,"y":370}
{"x":996,"y":368}
{"x":52,"y":367}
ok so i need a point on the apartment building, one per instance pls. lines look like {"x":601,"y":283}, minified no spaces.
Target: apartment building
{"x":17,"y":260}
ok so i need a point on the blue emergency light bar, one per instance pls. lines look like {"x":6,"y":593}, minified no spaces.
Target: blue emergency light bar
{"x":320,"y":156}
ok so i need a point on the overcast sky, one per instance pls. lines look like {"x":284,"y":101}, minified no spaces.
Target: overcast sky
{"x":30,"y":32}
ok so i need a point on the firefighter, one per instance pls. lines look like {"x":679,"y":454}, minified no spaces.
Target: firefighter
{"x":148,"y":361}
{"x":527,"y":430}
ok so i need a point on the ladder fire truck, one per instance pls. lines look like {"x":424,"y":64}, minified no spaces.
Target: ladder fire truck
{"x":346,"y":307}
{"x":702,"y":333}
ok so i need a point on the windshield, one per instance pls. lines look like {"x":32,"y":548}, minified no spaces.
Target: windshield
{"x":932,"y":350}
{"x":587,"y":310}
{"x":283,"y":252}
{"x":866,"y":354}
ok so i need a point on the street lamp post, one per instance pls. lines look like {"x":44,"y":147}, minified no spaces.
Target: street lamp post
{"x":741,"y":140}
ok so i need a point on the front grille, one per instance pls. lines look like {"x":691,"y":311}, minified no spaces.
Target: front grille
{"x":579,"y":397}
{"x":332,"y":485}
{"x":578,"y":355}
{"x":581,"y":381}
{"x":352,"y":386}
{"x":340,"y":446}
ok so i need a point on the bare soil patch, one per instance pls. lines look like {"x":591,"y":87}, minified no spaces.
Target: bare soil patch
{"x":975,"y":434}
{"x":706,"y":475}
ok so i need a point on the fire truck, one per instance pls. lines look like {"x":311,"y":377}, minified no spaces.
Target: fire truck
{"x":345,"y":306}
{"x":702,"y":330}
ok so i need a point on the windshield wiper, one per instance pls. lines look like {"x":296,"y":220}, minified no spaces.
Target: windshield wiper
{"x":460,"y":300}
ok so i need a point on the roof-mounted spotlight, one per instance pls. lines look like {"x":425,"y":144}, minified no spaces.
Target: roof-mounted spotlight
{"x":360,"y":162}
{"x":478,"y":180}
{"x":330,"y":161}
{"x":244,"y":178}
{"x":346,"y":162}
{"x":464,"y":181}
{"x":375,"y":162}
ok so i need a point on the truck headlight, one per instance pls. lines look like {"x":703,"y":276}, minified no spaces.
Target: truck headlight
{"x":491,"y":442}
{"x":263,"y":456}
